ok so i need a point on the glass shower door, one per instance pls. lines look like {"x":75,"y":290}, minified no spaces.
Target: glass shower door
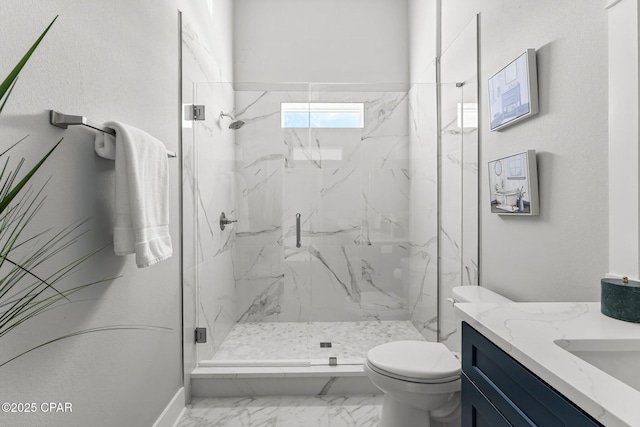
{"x":271,"y":266}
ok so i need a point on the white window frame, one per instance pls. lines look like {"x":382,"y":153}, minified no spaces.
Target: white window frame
{"x":323,"y":107}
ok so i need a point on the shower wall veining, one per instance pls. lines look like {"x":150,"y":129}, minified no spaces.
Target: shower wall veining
{"x":351,"y":188}
{"x":208,"y":180}
{"x":368,"y":198}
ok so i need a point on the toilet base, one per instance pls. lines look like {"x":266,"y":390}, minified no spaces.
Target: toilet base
{"x":396,"y":414}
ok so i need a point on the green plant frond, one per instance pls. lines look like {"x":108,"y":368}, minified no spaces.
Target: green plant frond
{"x":8,"y":149}
{"x":17,"y":223}
{"x":15,"y":190}
{"x":36,"y":236}
{"x":50,"y":248}
{"x":28,"y":298}
{"x":24,"y":291}
{"x":13,"y":84}
{"x":6,"y":164}
{"x":10,"y":299}
{"x":11,"y":319}
{"x":66,"y":292}
{"x":94,"y":330}
{"x":59,"y":242}
{"x":12,"y":175}
{"x":28,"y":206}
{"x":13,"y":75}
{"x":29,"y":264}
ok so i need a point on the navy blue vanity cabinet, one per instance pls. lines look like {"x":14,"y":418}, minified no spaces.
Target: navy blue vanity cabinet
{"x":498,"y":391}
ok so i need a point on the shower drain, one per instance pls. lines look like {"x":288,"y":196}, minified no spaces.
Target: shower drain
{"x":325,"y":345}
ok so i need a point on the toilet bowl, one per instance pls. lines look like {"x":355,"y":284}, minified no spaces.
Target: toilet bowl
{"x":421,"y":379}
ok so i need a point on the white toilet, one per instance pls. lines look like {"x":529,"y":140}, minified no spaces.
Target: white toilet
{"x":420,"y":379}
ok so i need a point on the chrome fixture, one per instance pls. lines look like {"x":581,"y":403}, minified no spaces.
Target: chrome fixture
{"x":298,"y":230}
{"x":65,"y":120}
{"x":235,"y":124}
{"x":224,"y":221}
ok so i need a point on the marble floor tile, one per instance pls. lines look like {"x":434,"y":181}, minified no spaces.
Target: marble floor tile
{"x":350,"y":341}
{"x":284,"y":411}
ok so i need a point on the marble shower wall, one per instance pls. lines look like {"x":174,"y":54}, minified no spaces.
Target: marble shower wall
{"x":215,"y":193}
{"x":423,"y":273}
{"x":444,"y":187}
{"x":208,"y":189}
{"x":458,"y":234}
{"x":351,"y":188}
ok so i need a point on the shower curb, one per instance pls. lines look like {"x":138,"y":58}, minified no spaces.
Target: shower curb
{"x":280,"y":381}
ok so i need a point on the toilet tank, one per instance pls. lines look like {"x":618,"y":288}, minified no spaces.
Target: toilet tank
{"x":476,"y":294}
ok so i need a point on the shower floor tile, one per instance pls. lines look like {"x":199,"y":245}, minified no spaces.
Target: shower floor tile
{"x":284,"y":411}
{"x":275,"y":341}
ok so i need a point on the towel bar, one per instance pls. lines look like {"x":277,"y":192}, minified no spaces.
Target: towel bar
{"x":65,"y":120}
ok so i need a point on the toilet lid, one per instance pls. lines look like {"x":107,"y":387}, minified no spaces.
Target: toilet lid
{"x":422,"y":360}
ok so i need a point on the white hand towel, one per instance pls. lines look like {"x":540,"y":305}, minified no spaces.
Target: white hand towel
{"x":105,"y":145}
{"x":141,"y":195}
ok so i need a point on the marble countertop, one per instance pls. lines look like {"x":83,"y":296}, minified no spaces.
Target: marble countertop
{"x":528,"y":331}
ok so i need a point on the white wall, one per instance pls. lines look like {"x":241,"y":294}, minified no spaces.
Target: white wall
{"x":290,"y":41}
{"x":423,"y":49}
{"x":115,"y":60}
{"x":561,"y":254}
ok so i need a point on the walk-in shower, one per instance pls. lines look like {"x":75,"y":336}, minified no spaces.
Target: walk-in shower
{"x":356,"y":208}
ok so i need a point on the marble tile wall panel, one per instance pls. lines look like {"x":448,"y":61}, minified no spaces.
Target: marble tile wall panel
{"x":208,"y":189}
{"x":470,"y":180}
{"x":385,"y":199}
{"x":215,"y":193}
{"x":459,"y":182}
{"x":200,"y":181}
{"x":423,"y":226}
{"x":217,"y":302}
{"x":346,"y":184}
{"x":450,"y":236}
{"x":259,"y":272}
{"x":337,"y":219}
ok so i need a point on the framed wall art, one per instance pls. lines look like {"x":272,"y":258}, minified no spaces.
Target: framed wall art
{"x":513,"y":184}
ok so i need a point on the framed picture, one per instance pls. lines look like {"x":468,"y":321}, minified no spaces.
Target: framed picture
{"x":513,"y":184}
{"x":513,"y":92}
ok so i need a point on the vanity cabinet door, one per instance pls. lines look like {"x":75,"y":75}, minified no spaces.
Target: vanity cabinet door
{"x":477,"y":411}
{"x":519,"y":395}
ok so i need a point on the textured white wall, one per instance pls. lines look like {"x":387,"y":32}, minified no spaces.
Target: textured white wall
{"x":290,"y":41}
{"x":561,"y":254}
{"x":422,"y":17}
{"x":115,"y":60}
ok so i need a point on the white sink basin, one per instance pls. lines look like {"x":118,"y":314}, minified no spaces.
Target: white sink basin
{"x":618,"y":358}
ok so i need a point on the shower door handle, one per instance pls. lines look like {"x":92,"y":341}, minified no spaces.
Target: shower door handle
{"x":298,"y":230}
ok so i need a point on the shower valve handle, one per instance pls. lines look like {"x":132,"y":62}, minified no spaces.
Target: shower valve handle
{"x":224,"y":221}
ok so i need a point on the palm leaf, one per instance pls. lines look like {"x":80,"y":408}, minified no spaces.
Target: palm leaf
{"x":21,"y":257}
{"x":13,"y":75}
{"x":4,"y":202}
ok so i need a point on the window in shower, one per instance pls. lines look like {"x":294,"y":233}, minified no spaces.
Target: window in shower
{"x":322,"y":115}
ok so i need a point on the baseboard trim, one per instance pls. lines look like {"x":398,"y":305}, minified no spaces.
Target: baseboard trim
{"x":173,"y":411}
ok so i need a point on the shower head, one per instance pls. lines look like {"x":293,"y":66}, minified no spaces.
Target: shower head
{"x":235,"y":124}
